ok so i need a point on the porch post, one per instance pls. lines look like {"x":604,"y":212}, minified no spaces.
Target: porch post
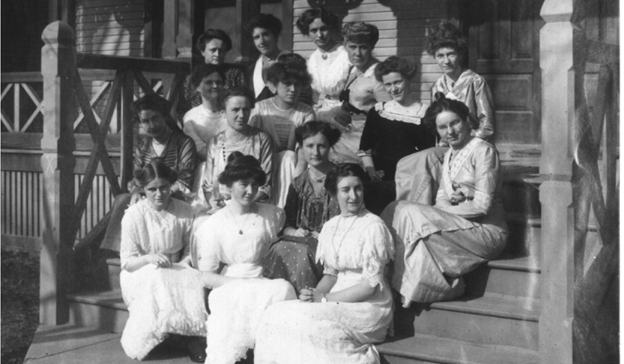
{"x":178,"y":29}
{"x":559,"y":102}
{"x":58,"y":64}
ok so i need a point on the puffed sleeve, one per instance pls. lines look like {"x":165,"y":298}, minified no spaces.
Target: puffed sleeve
{"x":485,"y":108}
{"x":208,"y":246}
{"x":188,"y":239}
{"x":190,"y":129}
{"x":255,"y":119}
{"x":188,"y":162}
{"x":377,"y":251}
{"x":322,"y":249}
{"x":129,"y":240}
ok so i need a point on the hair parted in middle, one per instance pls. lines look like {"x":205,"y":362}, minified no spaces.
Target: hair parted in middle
{"x":311,"y":128}
{"x":242,"y":167}
{"x":241,"y":91}
{"x":204,"y":70}
{"x":307,"y":17}
{"x":404,"y":66}
{"x":211,"y":34}
{"x":155,"y":169}
{"x":340,"y":171}
{"x":265,"y":21}
{"x":360,"y":32}
{"x":281,"y":72}
{"x":441,"y":104}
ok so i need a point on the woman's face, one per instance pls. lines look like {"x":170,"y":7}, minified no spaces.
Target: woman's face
{"x":210,"y":86}
{"x":152,"y":123}
{"x":244,"y":191}
{"x":158,"y":193}
{"x":316,"y":149}
{"x":237,"y":111}
{"x":214,"y":52}
{"x":359,"y":53}
{"x":321,"y":34}
{"x":449,"y":61}
{"x":265,"y":41}
{"x":451,"y":127}
{"x":396,"y":85}
{"x":350,"y":194}
{"x":289,"y":90}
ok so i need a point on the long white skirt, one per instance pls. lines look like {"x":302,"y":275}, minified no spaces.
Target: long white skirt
{"x":161,"y":301}
{"x":235,"y":312}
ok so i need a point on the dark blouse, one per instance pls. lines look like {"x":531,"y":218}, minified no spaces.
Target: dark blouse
{"x":306,"y":210}
{"x":387,"y":141}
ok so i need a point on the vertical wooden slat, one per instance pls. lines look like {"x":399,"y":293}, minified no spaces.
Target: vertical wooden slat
{"x":16,"y":107}
{"x":13,"y":202}
{"x":22,"y":205}
{"x":4,"y":203}
{"x":27,"y":212}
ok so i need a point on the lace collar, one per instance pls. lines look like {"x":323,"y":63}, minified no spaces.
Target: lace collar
{"x":461,"y":157}
{"x":392,"y":110}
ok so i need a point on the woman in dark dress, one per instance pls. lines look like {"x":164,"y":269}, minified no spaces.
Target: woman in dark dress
{"x":308,"y":207}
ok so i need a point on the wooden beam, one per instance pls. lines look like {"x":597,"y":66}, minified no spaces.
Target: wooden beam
{"x":98,"y":61}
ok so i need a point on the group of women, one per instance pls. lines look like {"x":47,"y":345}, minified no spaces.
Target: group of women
{"x":294,"y":262}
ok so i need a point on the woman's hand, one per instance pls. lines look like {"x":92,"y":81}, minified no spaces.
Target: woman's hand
{"x":300,"y":232}
{"x":457,"y":197}
{"x":314,"y":234}
{"x":159,"y":260}
{"x":311,"y":295}
{"x":374,"y":174}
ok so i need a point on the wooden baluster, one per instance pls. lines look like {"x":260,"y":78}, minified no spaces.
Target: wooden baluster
{"x":127,"y":130}
{"x":184,"y":37}
{"x":58,"y":66}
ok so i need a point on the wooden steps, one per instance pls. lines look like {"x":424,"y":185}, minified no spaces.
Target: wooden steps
{"x":421,"y":349}
{"x":99,"y":310}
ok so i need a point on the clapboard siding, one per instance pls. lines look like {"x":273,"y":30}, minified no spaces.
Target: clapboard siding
{"x":402,"y":31}
{"x":111,"y":27}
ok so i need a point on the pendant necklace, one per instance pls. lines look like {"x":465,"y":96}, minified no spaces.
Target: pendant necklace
{"x":240,"y":230}
{"x":316,"y":179}
{"x":345,"y":234}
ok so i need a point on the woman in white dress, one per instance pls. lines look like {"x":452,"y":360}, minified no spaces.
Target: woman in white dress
{"x":279,"y":116}
{"x":438,"y":244}
{"x":351,"y":307}
{"x":239,"y":236}
{"x":163,"y":294}
{"x":329,"y":63}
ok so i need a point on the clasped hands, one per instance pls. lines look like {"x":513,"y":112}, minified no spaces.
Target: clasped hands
{"x":163,"y":261}
{"x":311,"y":295}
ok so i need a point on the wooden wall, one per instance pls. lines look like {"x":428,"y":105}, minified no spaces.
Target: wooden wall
{"x":402,"y":26}
{"x":111,"y":27}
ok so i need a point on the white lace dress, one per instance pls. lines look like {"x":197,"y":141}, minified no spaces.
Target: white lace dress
{"x":236,"y":307}
{"x":353,"y":249}
{"x":160,"y":300}
{"x":329,"y":72}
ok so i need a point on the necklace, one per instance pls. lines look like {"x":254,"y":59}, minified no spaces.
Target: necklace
{"x":345,"y":234}
{"x":316,"y":179}
{"x":240,"y":230}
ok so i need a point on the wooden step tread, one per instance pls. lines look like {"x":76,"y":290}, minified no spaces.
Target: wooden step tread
{"x":522,"y":264}
{"x":114,"y":261}
{"x":518,"y":308}
{"x":110,"y":299}
{"x":448,"y":351}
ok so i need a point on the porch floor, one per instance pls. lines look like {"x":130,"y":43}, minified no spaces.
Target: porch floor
{"x":68,"y":344}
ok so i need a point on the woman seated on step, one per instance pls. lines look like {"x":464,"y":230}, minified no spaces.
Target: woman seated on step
{"x":351,"y":307}
{"x":308,"y":207}
{"x":205,"y":121}
{"x":239,"y":236}
{"x":279,"y":115}
{"x":163,"y":293}
{"x":238,"y":136}
{"x":438,"y":244}
{"x":418,"y":175}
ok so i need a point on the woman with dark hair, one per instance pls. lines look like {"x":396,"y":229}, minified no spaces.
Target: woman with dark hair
{"x":308,"y":207}
{"x":437,"y":245}
{"x":351,"y":307}
{"x":449,"y":48}
{"x":264,"y":31}
{"x":361,"y":90}
{"x":164,"y":296}
{"x":238,"y":136}
{"x":239,"y":236}
{"x":213,"y":45}
{"x":329,"y":63}
{"x":279,"y":115}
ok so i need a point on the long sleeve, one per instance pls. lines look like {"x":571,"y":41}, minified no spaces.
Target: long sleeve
{"x":190,"y":130}
{"x":485,"y":108}
{"x":208,"y":248}
{"x":266,"y":161}
{"x":291,"y":208}
{"x":188,"y":162}
{"x":371,"y":130}
{"x":129,"y":240}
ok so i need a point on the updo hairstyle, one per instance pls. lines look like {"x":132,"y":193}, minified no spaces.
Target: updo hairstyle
{"x":211,"y":34}
{"x":242,"y":167}
{"x":205,"y":70}
{"x":265,"y":21}
{"x":343,"y":170}
{"x":441,"y":104}
{"x":446,"y":35}
{"x":307,"y":17}
{"x":289,"y":67}
{"x":311,"y":128}
{"x":158,"y":104}
{"x":155,"y":169}
{"x":359,"y":32}
{"x":228,"y":93}
{"x":404,"y":66}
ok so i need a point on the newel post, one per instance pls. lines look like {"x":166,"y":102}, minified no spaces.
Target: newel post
{"x":58,"y":64}
{"x":559,"y":101}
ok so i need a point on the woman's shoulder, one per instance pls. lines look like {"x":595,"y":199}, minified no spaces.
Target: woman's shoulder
{"x":182,"y":209}
{"x":304,"y":108}
{"x":371,"y":220}
{"x":271,"y":212}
